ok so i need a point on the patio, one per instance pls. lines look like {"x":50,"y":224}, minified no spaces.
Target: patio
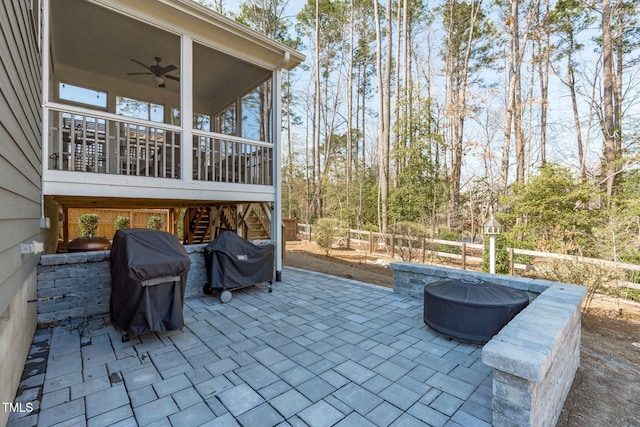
{"x":318,"y":351}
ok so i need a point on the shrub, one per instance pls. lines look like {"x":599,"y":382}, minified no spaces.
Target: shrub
{"x":451,"y":236}
{"x":326,"y":231}
{"x":408,"y":239}
{"x":597,"y":278}
{"x":122,"y":222}
{"x":88,"y":224}
{"x":154,"y":223}
{"x":502,"y":257}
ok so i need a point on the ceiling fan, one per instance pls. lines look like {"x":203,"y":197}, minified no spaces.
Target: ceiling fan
{"x":156,"y":70}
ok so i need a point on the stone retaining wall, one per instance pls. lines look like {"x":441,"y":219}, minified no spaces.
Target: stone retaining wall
{"x":534,"y":357}
{"x":67,"y":281}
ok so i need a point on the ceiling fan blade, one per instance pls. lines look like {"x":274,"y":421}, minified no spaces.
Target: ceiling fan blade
{"x":168,"y":69}
{"x":142,"y":64}
{"x":139,"y":74}
{"x":172,"y":78}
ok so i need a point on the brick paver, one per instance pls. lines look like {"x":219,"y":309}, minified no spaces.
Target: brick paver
{"x":318,"y":351}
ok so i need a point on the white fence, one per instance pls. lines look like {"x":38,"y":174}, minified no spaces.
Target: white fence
{"x":464,"y":255}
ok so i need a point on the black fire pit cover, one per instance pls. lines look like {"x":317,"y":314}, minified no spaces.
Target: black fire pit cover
{"x":471,"y":310}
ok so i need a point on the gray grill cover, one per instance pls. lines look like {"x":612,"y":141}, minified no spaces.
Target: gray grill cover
{"x":149,"y":271}
{"x":234,"y":262}
{"x":471,"y":310}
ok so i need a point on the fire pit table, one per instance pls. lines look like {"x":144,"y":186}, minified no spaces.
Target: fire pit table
{"x":471,"y":310}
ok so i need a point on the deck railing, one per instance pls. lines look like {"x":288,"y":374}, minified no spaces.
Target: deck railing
{"x":223,"y":158}
{"x":104,"y":143}
{"x":82,"y":140}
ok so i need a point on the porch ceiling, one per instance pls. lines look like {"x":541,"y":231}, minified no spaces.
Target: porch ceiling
{"x":96,"y":43}
{"x":129,"y":203}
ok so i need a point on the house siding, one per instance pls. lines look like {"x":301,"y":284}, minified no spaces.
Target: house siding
{"x":20,"y":189}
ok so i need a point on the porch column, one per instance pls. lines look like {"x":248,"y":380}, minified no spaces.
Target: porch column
{"x":276,"y":214}
{"x":186,"y":108}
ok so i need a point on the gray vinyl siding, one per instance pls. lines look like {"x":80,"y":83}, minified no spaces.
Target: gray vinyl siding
{"x":20,"y":146}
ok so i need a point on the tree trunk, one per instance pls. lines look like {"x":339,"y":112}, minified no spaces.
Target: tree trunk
{"x":384,"y":86}
{"x":576,"y":118}
{"x":544,"y":83}
{"x":386,"y":137}
{"x":617,"y":70}
{"x":350,"y":114}
{"x":316,"y":118}
{"x":508,"y":116}
{"x":608,"y":125}
{"x":517,"y":93}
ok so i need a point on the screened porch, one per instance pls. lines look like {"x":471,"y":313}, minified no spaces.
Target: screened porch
{"x":120,"y":86}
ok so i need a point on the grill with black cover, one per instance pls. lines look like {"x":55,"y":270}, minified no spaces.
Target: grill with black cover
{"x":233,"y":262}
{"x":149,"y":271}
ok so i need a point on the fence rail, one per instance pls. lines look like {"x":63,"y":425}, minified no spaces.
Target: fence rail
{"x":426,"y":250}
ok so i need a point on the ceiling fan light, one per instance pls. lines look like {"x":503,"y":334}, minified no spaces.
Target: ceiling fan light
{"x":159,"y":80}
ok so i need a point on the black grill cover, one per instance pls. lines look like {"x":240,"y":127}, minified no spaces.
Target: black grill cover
{"x":471,"y":310}
{"x":148,"y":278}
{"x":234,"y":262}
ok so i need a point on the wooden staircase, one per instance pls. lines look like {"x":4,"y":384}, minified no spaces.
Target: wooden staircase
{"x":257,"y":226}
{"x":198,"y":225}
{"x":252,"y":221}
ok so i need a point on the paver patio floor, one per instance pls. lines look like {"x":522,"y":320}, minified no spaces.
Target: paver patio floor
{"x":318,"y":351}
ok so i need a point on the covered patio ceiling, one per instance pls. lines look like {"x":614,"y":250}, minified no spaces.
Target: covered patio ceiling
{"x":90,"y":42}
{"x":129,"y":203}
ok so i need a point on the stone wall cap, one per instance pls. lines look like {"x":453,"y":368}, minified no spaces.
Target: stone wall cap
{"x":530,"y":358}
{"x":521,"y":361}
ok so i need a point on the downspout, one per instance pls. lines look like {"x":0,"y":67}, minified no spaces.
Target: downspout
{"x":276,"y":217}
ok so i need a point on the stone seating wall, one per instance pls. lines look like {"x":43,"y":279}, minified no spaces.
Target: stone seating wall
{"x":534,"y":357}
{"x":85,"y":278}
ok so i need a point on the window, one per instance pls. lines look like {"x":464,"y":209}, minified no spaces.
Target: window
{"x":226,"y":120}
{"x":202,"y":122}
{"x":82,"y":95}
{"x":256,"y":113}
{"x":136,"y":109}
{"x":175,"y":116}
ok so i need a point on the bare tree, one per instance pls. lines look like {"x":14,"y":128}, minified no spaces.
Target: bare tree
{"x":467,"y":49}
{"x":384,"y":113}
{"x":569,"y":19}
{"x":610,"y":127}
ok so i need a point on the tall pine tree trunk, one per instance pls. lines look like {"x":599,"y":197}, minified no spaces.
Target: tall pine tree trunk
{"x":317,"y":202}
{"x":384,"y":101}
{"x":517,"y":93}
{"x":608,"y":125}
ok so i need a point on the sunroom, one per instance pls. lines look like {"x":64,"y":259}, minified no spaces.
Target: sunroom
{"x":122,"y":77}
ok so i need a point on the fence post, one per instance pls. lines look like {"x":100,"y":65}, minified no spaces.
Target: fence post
{"x":371,"y":242}
{"x":511,"y":261}
{"x":393,"y":246}
{"x":424,"y":250}
{"x":464,"y":256}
